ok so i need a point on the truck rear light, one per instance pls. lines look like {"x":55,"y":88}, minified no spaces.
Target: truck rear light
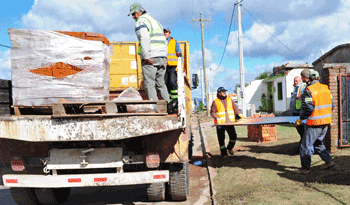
{"x":17,"y":164}
{"x":11,"y":181}
{"x":152,"y":160}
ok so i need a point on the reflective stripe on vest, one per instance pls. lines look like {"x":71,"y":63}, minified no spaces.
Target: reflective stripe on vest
{"x":172,"y":57}
{"x":299,"y":94}
{"x":155,"y":30}
{"x":322,"y":100}
{"x":221,"y":111}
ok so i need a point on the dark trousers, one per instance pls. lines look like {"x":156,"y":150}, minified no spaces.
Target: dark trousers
{"x":301,"y":129}
{"x":313,"y":139}
{"x":220,"y":130}
{"x":170,"y":79}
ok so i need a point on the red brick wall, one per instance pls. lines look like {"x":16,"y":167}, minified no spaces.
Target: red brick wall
{"x":330,"y":78}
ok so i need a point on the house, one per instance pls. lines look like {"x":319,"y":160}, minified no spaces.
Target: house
{"x":334,"y":69}
{"x":276,"y":89}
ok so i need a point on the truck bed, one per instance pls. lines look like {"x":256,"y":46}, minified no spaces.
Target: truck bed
{"x":108,"y":124}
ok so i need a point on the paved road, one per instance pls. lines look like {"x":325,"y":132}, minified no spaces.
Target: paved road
{"x":126,"y":195}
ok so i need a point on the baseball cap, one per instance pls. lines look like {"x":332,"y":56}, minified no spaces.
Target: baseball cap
{"x":166,"y":30}
{"x":220,"y":89}
{"x":135,"y":7}
{"x":314,"y":74}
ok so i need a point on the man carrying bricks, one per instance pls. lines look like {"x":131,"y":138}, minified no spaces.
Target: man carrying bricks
{"x":295,"y":104}
{"x":317,"y":106}
{"x":223,"y":110}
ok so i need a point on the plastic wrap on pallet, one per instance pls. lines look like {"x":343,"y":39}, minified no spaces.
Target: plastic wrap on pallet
{"x":35,"y":49}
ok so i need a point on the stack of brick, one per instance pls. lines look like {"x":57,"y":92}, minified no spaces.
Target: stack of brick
{"x":87,"y":36}
{"x":262,"y":133}
{"x":47,"y":66}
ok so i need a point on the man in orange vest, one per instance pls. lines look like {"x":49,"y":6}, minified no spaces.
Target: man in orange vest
{"x":223,"y":110}
{"x":170,"y":76}
{"x":295,"y":105}
{"x":317,"y":106}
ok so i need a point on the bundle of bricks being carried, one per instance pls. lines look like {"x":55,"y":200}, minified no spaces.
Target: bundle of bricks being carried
{"x":262,"y":133}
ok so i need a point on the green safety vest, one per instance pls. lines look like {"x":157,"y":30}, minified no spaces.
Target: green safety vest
{"x":155,"y":30}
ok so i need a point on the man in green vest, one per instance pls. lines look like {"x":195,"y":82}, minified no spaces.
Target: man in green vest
{"x":153,"y":52}
{"x":295,"y":105}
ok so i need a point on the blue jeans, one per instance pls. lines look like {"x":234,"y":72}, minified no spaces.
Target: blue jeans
{"x":313,"y":139}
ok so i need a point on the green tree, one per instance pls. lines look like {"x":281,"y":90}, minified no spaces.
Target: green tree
{"x":263,"y":75}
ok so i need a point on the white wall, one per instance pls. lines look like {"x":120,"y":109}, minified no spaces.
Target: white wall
{"x":287,"y":88}
{"x":254,"y":91}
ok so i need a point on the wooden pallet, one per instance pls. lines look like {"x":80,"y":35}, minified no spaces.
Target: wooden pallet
{"x":91,"y":109}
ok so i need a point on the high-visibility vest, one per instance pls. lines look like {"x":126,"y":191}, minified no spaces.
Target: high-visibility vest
{"x":155,"y":30}
{"x":172,"y":57}
{"x":221,"y":111}
{"x":322,"y":100}
{"x":299,"y":94}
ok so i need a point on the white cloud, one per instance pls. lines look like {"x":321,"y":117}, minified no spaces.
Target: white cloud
{"x":304,"y":37}
{"x":5,"y":65}
{"x":102,"y":16}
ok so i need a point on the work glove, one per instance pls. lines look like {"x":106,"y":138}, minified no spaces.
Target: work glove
{"x":241,"y":116}
{"x":298,"y":122}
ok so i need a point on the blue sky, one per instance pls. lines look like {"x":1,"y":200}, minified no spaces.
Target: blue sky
{"x":309,"y":28}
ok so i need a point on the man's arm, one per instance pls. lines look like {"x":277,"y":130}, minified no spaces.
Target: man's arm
{"x":144,"y":38}
{"x":213,"y":110}
{"x":178,"y":50}
{"x":307,"y":105}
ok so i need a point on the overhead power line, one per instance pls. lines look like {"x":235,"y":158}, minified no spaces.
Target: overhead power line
{"x":5,"y":46}
{"x":272,"y":34}
{"x":228,"y":35}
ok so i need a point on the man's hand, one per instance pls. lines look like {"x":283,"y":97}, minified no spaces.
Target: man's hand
{"x":147,"y":61}
{"x":241,"y":116}
{"x":298,"y":122}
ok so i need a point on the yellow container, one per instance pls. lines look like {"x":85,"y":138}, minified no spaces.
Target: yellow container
{"x":126,"y":70}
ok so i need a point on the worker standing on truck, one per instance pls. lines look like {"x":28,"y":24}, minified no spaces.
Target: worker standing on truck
{"x":153,"y":52}
{"x":223,"y":110}
{"x":295,"y":105}
{"x":317,"y":106}
{"x":170,"y":77}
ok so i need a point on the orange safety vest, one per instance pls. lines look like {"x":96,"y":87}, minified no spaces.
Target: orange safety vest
{"x":299,"y":94}
{"x":322,"y":100}
{"x":221,"y":111}
{"x":172,"y":57}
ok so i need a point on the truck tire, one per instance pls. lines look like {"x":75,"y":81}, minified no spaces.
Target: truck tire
{"x":52,"y":196}
{"x":156,"y":192}
{"x":24,"y":196}
{"x":179,"y":181}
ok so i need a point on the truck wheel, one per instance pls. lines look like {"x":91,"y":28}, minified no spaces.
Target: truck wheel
{"x":179,"y":181}
{"x":52,"y":196}
{"x":156,"y":192}
{"x":24,"y":196}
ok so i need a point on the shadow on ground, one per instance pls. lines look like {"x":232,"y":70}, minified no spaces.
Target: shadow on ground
{"x":290,"y":149}
{"x":338,"y":175}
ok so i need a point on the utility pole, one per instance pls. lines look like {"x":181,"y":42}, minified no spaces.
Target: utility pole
{"x":241,"y":64}
{"x":203,"y":53}
{"x":201,"y":75}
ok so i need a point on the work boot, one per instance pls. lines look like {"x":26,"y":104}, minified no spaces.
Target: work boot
{"x":302,"y":171}
{"x":327,"y":165}
{"x":231,"y":152}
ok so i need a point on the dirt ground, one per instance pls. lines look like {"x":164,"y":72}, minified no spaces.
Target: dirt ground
{"x":264,"y":173}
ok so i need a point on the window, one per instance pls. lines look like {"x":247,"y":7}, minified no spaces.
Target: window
{"x":279,"y":91}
